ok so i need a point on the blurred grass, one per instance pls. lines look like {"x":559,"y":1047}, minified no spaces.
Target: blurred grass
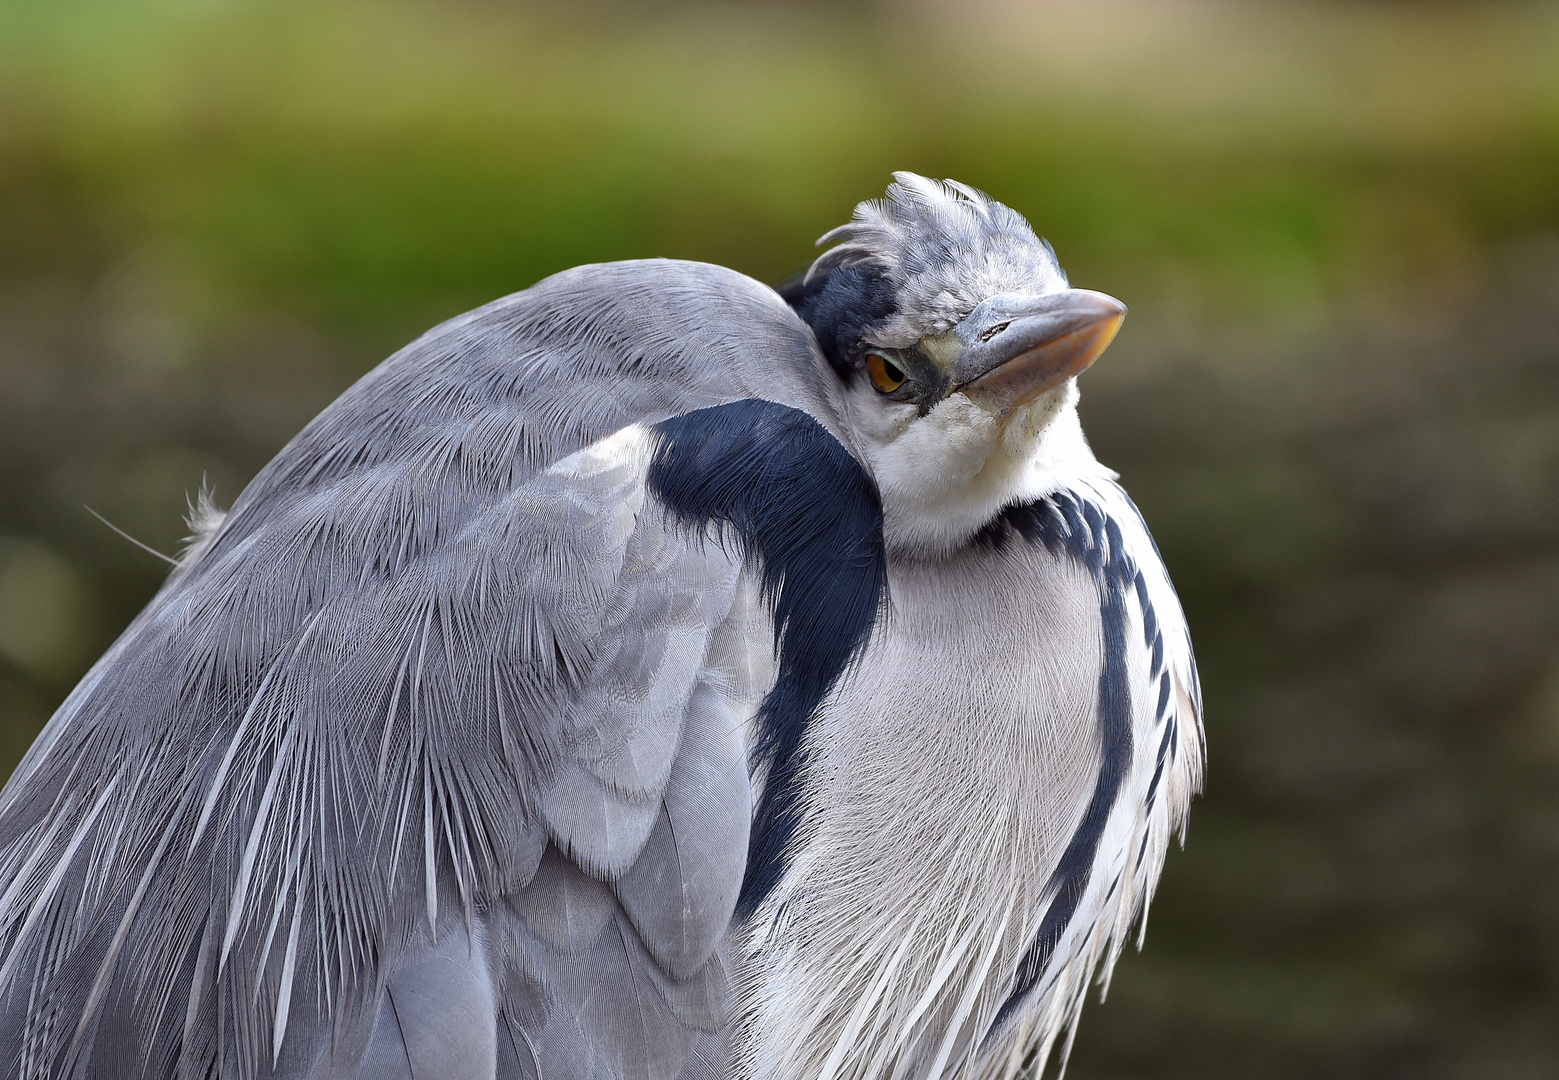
{"x":1337,"y":398}
{"x":345,"y":159}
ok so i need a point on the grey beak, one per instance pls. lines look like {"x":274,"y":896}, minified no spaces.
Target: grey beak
{"x":1014,"y":348}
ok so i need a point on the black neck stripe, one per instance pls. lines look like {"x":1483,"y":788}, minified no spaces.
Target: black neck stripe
{"x":1065,"y":523}
{"x":809,"y":519}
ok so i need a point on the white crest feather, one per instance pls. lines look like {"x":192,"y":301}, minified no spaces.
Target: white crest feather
{"x":945,"y":247}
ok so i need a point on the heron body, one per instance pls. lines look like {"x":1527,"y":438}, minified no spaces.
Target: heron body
{"x":640,"y":677}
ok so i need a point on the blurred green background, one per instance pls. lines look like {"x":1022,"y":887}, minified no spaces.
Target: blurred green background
{"x":1337,"y":396}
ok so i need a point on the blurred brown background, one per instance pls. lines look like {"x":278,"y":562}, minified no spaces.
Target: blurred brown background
{"x":1337,"y":396}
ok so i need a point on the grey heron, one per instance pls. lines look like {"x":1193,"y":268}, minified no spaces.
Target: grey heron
{"x":644,"y":676}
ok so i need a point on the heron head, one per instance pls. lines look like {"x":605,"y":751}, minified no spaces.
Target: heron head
{"x":959,"y":342}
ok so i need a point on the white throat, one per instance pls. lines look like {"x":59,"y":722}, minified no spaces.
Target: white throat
{"x":945,"y":475}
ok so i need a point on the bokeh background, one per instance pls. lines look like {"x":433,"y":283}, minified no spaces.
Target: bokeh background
{"x":1336,"y":398}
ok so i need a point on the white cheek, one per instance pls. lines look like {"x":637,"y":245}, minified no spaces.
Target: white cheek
{"x":944,"y":475}
{"x":945,"y":449}
{"x":932,"y":474}
{"x":1029,"y":421}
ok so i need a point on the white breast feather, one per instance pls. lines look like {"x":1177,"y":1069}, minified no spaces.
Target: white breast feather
{"x":887,"y":948}
{"x":1131,"y":855}
{"x":935,"y":824}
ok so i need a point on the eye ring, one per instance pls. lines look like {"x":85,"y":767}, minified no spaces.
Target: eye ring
{"x":886,"y":376}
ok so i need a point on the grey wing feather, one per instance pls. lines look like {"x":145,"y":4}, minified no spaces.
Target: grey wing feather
{"x":680,"y":892}
{"x":436,"y":1016}
{"x":413,"y":730}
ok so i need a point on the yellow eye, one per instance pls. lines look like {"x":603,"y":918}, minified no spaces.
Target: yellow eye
{"x":884,"y":375}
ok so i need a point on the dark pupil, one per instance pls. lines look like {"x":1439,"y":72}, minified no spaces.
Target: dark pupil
{"x":894,"y":374}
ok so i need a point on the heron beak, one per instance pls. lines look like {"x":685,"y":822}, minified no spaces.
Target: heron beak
{"x":1011,"y":349}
